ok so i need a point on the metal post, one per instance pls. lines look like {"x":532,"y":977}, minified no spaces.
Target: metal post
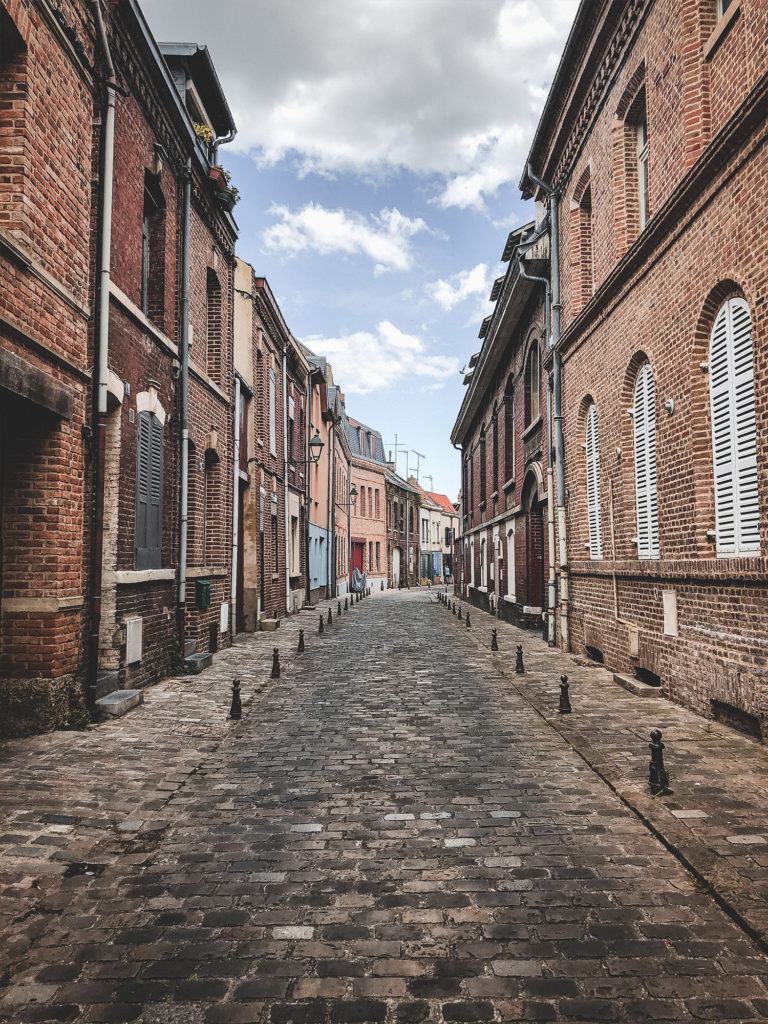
{"x":236,"y":710}
{"x":565,"y":704}
{"x":519,"y":667}
{"x":275,"y":663}
{"x":301,"y":641}
{"x":494,"y":641}
{"x":658,"y":776}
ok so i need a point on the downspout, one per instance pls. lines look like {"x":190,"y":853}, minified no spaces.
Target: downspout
{"x":235,"y":513}
{"x":458,"y":581}
{"x":558,"y":409}
{"x":286,"y":516}
{"x":184,"y":397}
{"x":551,"y":582}
{"x":102,"y":350}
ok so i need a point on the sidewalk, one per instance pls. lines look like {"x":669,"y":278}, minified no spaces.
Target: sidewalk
{"x":715,"y":819}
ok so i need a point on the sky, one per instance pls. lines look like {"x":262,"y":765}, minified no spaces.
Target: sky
{"x":379,"y":147}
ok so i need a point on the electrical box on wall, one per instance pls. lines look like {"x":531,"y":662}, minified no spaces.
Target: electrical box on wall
{"x":202,"y":593}
{"x":134,"y":639}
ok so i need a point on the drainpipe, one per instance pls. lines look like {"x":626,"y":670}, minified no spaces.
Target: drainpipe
{"x":286,"y":516}
{"x":551,"y":582}
{"x":102,"y":349}
{"x":235,"y":514}
{"x":558,"y":409}
{"x":184,"y":397}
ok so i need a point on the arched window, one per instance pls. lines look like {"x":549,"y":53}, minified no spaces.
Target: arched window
{"x":593,"y":486}
{"x":495,"y":452}
{"x":509,"y":430}
{"x":483,"y":564}
{"x":483,"y":482}
{"x":734,"y":431}
{"x":646,"y":499}
{"x":532,"y":385}
{"x":511,"y":561}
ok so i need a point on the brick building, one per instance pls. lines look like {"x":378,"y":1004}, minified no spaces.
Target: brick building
{"x":503,"y":428}
{"x":649,"y":169}
{"x":167,"y":495}
{"x":403,"y":551}
{"x":369,"y":526}
{"x":48,"y":100}
{"x":341,"y":498}
{"x":449,"y":529}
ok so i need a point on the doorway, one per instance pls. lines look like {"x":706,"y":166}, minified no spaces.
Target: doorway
{"x":396,"y":567}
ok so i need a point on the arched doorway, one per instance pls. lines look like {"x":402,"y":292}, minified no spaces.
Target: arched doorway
{"x":533,"y":525}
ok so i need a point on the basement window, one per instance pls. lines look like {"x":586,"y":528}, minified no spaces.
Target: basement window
{"x":736,"y":718}
{"x":646,"y":676}
{"x":594,"y":654}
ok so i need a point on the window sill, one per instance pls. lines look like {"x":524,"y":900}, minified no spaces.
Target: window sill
{"x":508,"y":485}
{"x":509,"y":598}
{"x":481,"y":506}
{"x":495,"y":496}
{"x":531,"y":428}
{"x":129,"y":577}
{"x":721,"y":30}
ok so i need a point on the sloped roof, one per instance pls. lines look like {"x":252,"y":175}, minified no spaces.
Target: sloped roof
{"x":352,"y":430}
{"x":444,"y":501}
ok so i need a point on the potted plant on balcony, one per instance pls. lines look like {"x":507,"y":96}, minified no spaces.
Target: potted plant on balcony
{"x":227,"y":195}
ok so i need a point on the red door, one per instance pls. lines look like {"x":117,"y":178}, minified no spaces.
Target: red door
{"x":357,"y":556}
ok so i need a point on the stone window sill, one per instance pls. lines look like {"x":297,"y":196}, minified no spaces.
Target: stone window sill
{"x":531,"y":428}
{"x":508,"y":485}
{"x":721,"y":30}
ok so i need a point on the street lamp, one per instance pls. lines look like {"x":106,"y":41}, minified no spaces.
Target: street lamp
{"x":315,"y":448}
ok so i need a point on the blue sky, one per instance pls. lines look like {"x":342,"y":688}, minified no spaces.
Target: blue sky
{"x":378,"y":150}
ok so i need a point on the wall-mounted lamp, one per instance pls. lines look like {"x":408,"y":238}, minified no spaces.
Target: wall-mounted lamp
{"x":669,"y":405}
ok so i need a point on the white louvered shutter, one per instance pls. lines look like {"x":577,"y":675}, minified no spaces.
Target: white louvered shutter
{"x":593,"y":486}
{"x":646,"y":496}
{"x":734,"y":450}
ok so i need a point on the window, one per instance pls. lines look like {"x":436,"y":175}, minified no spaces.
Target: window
{"x":213,"y":326}
{"x":509,"y":430}
{"x":722,"y":7}
{"x":631,"y":163}
{"x":291,"y":429}
{"x":511,"y":561}
{"x":410,"y":519}
{"x":482,"y":466}
{"x":362,"y":501}
{"x":532,"y":385}
{"x":425,"y":531}
{"x":13,"y":115}
{"x":152,"y":248}
{"x":275,"y":543}
{"x":646,"y":500}
{"x":272,"y":416}
{"x":149,"y":491}
{"x":472,"y":562}
{"x":734,"y":431}
{"x":642,"y":166}
{"x":213,"y":550}
{"x":370,"y":502}
{"x":495,"y":446}
{"x":593,"y":486}
{"x":370,"y":556}
{"x":483,"y":565}
{"x":376,"y":498}
{"x":378,"y":556}
{"x":581,"y":240}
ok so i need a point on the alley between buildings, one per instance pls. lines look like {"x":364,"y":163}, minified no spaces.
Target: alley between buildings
{"x":398,"y":829}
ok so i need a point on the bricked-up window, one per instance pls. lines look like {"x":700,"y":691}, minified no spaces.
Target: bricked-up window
{"x":149,"y":491}
{"x":495,"y":447}
{"x":532,"y":385}
{"x":582,"y":260}
{"x":370,"y":502}
{"x":362,"y":501}
{"x":646,"y":498}
{"x":152,"y":248}
{"x":594,"y":518}
{"x":509,"y":430}
{"x":483,"y":468}
{"x":13,"y":96}
{"x":272,"y":414}
{"x":214,"y":325}
{"x":642,"y":165}
{"x":734,"y":431}
{"x":291,"y":429}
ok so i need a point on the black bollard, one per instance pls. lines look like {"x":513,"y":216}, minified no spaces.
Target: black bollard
{"x":565,"y":704}
{"x":330,"y":617}
{"x":454,"y":607}
{"x":494,"y":641}
{"x":301,"y":640}
{"x":460,"y":616}
{"x":468,"y":622}
{"x":321,"y":627}
{"x":275,"y":663}
{"x":658,"y":776}
{"x":519,"y":666}
{"x":236,"y":711}
{"x":346,"y":604}
{"x":338,"y":611}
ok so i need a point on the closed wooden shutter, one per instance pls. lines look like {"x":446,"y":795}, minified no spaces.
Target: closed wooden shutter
{"x":593,"y":486}
{"x":646,"y":497}
{"x":734,"y":431}
{"x":149,"y":492}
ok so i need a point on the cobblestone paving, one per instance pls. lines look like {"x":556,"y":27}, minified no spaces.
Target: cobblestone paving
{"x":392,"y":833}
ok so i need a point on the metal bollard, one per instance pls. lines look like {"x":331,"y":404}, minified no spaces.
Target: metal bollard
{"x":494,"y":641}
{"x":301,"y":640}
{"x":460,"y":616}
{"x":236,"y":711}
{"x":519,"y":666}
{"x":321,"y":627}
{"x":454,"y":607}
{"x":330,"y":617}
{"x":658,"y":776}
{"x":346,"y":604}
{"x":565,"y":704}
{"x":275,"y":663}
{"x":468,"y":622}
{"x":338,"y":611}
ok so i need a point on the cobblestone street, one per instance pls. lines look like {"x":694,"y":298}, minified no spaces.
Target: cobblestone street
{"x":398,"y":829}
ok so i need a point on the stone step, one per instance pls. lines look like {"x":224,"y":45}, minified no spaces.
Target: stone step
{"x":197,"y":662}
{"x":270,"y":624}
{"x":636,"y":687}
{"x":190,"y":646}
{"x":107,"y":681}
{"x":119,"y":702}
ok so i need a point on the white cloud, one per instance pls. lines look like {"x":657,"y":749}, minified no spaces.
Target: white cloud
{"x":466,"y":284}
{"x":364,"y":362}
{"x":383,"y":237}
{"x":445,"y":88}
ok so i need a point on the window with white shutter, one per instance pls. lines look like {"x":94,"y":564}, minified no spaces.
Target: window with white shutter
{"x":149,"y":491}
{"x":593,"y":486}
{"x":734,"y":431}
{"x":646,"y":497}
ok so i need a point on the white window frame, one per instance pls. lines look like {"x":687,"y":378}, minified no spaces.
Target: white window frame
{"x":594,"y":512}
{"x":644,"y":444}
{"x":510,"y":567}
{"x":734,"y":432}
